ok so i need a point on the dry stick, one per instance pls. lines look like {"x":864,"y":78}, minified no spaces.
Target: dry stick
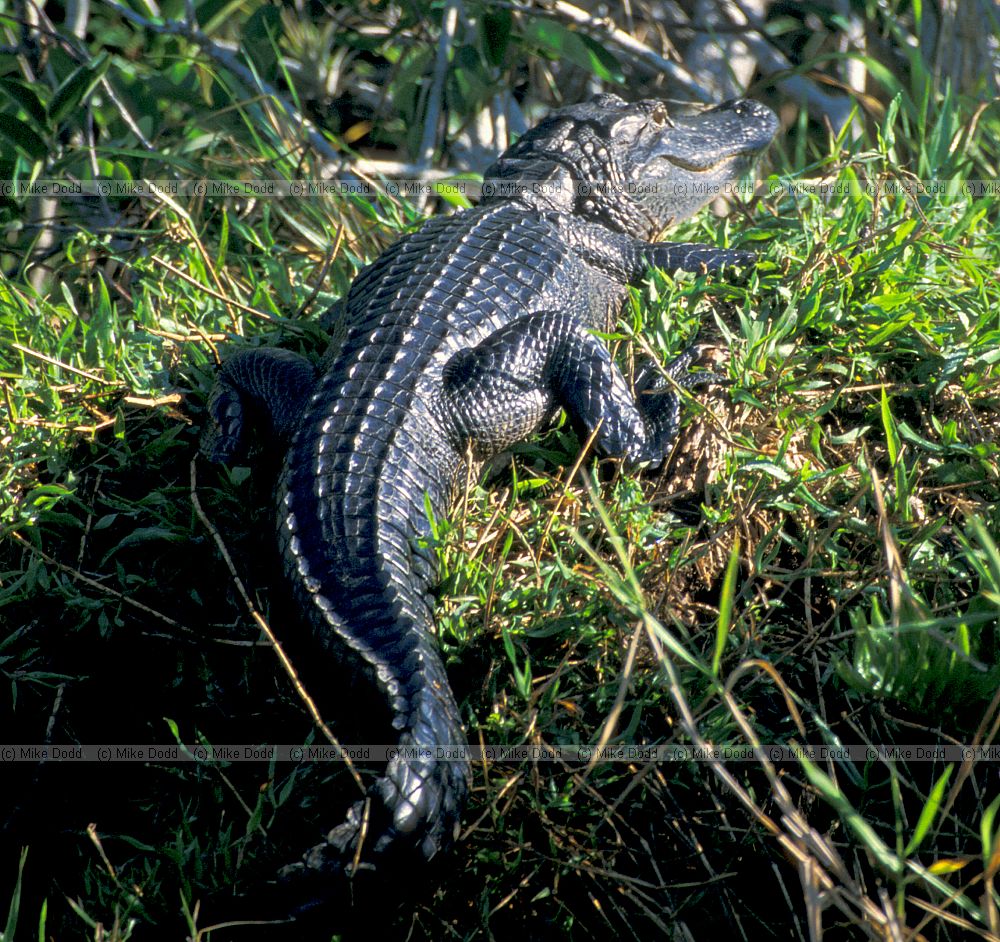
{"x":78,"y":50}
{"x":229,"y":61}
{"x":166,"y":200}
{"x":794,"y":821}
{"x":363,"y":831}
{"x":506,"y":787}
{"x":263,"y":625}
{"x":474,"y":554}
{"x":772,"y":672}
{"x":791,"y":818}
{"x":898,"y":588}
{"x":218,"y":295}
{"x":936,"y":912}
{"x":449,"y":23}
{"x":611,"y":722}
{"x":837,"y":108}
{"x":169,"y":400}
{"x":327,"y":262}
{"x":605,"y":29}
{"x":769,"y":59}
{"x":980,"y":736}
{"x":27,"y":351}
{"x":108,"y":865}
{"x":470,"y":467}
{"x":125,"y":115}
{"x":196,"y":336}
{"x":133,"y":126}
{"x":131,"y":890}
{"x":580,"y":458}
{"x":93,"y":583}
{"x":510,"y":896}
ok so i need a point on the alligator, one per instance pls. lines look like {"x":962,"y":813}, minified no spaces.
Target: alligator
{"x":464,"y":337}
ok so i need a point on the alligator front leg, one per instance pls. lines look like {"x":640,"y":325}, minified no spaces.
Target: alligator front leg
{"x":510,"y":385}
{"x":691,"y":257}
{"x":627,"y":260}
{"x":266,"y":389}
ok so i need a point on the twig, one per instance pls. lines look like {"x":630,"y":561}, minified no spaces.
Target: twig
{"x":611,"y":721}
{"x":837,"y":108}
{"x":642,"y":53}
{"x":289,"y":668}
{"x":449,"y":23}
{"x":126,"y":115}
{"x":796,"y":837}
{"x":77,"y":16}
{"x":327,"y":261}
{"x":218,"y":295}
{"x":231,"y":63}
{"x":580,"y":458}
{"x":107,"y":590}
{"x":27,"y":351}
{"x":404,"y":169}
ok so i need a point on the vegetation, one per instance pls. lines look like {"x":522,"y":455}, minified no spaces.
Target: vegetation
{"x":817,"y":566}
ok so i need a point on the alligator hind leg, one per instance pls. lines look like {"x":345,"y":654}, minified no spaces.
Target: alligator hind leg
{"x":267,"y":389}
{"x":508,"y":386}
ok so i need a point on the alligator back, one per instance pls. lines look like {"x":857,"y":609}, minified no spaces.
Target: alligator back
{"x":377,"y":444}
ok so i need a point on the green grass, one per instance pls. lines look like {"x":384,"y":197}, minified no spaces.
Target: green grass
{"x":818,"y":564}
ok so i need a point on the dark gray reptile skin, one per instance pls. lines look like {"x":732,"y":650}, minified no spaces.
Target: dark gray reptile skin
{"x":463,"y":338}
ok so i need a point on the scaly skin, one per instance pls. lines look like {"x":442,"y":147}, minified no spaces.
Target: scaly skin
{"x":463,"y":338}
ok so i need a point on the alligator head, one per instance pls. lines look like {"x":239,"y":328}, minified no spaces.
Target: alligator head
{"x":636,"y":168}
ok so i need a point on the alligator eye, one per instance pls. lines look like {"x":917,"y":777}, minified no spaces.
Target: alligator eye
{"x":661,"y":117}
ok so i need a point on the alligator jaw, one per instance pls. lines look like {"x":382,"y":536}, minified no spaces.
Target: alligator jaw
{"x":706,"y":140}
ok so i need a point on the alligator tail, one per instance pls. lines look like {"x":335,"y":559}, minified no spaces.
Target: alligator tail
{"x":413,"y":811}
{"x":368,"y":609}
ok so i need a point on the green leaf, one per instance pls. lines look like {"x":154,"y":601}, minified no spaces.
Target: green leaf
{"x":769,"y":468}
{"x":471,"y":84}
{"x":987,"y":833}
{"x":146,"y":535}
{"x":25,"y":97}
{"x":212,"y":14}
{"x":260,"y":39}
{"x":726,"y":607}
{"x":891,"y":434}
{"x":17,"y":133}
{"x":601,"y":62}
{"x":220,"y":255}
{"x":887,"y":131}
{"x":495,"y":28}
{"x":928,"y":812}
{"x":77,"y":87}
{"x":892,"y":300}
{"x":522,"y":679}
{"x":452,"y":194}
{"x":558,"y":42}
{"x":15,"y":899}
{"x":880,"y":73}
{"x":42,"y":919}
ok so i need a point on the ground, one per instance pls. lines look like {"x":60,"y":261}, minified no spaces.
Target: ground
{"x":816,"y":567}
